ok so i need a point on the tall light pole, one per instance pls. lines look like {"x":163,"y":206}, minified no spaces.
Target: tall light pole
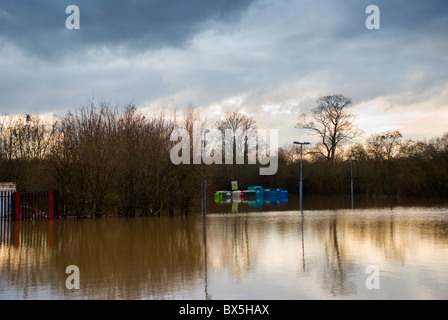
{"x":351,"y":178}
{"x":204,"y":178}
{"x":301,"y":183}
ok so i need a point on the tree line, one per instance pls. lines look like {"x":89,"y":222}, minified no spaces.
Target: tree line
{"x":100,"y":160}
{"x":104,"y":160}
{"x":386,"y":165}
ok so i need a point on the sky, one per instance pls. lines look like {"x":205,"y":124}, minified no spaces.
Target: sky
{"x":270,"y":59}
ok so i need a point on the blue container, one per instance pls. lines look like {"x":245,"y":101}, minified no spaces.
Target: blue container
{"x":251,"y":195}
{"x":257,"y":189}
{"x":283,"y":194}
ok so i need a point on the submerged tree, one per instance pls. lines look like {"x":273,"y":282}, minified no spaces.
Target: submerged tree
{"x":84,"y":159}
{"x":25,"y":142}
{"x":332,"y":123}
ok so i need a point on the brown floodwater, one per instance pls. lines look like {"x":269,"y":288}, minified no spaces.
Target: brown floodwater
{"x":237,"y":251}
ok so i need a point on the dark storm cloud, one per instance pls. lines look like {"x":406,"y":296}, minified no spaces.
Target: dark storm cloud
{"x":416,"y":15}
{"x":270,"y":52}
{"x":38,"y":27}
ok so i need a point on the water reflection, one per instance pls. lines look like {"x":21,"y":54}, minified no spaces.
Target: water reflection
{"x":204,"y":230}
{"x":247,"y":255}
{"x":322,"y":203}
{"x":117,"y":258}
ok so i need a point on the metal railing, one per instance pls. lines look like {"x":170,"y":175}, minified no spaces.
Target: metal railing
{"x":17,"y":205}
{"x":6,"y":206}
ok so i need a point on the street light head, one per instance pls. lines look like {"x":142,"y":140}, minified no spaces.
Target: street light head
{"x":207,"y":131}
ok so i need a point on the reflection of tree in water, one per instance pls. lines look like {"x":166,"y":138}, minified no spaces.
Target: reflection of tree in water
{"x":352,"y":240}
{"x":399,"y":235}
{"x":235,"y":254}
{"x":166,"y":258}
{"x":23,"y":256}
{"x":338,"y":267}
{"x":389,"y":237}
{"x":118,"y":258}
{"x":343,"y":232}
{"x":387,"y":233}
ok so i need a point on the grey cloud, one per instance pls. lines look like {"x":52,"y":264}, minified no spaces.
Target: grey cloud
{"x":321,"y":45}
{"x":38,"y":27}
{"x":414,"y":16}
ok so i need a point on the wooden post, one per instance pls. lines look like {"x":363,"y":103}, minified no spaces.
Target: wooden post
{"x":51,"y":204}
{"x":17,"y":205}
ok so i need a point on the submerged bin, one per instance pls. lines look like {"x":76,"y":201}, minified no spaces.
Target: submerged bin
{"x":250,"y":195}
{"x":258,"y":190}
{"x":221,"y":196}
{"x":283,"y":195}
{"x":226,"y":195}
{"x":236,"y":196}
{"x":217,"y":197}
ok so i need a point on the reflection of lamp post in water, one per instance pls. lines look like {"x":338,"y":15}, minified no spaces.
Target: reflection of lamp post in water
{"x":204,"y":182}
{"x":303,"y":241}
{"x":204,"y":230}
{"x":301,"y":183}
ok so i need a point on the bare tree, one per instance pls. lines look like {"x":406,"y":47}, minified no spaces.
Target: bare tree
{"x":332,"y":123}
{"x":25,"y":144}
{"x":384,"y":146}
{"x":242,"y":129}
{"x":84,"y":158}
{"x":241,"y":139}
{"x":188,"y":177}
{"x":357,"y":151}
{"x":28,"y":138}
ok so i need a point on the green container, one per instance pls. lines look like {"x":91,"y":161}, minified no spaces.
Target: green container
{"x":217,"y":197}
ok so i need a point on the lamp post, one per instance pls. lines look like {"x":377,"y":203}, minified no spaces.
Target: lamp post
{"x":204,"y":178}
{"x":301,"y":183}
{"x":351,"y":178}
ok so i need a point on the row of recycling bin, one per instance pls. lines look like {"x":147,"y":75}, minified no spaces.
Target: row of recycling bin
{"x":253,"y":193}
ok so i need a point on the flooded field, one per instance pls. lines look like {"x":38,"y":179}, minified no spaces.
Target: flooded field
{"x":376,"y":251}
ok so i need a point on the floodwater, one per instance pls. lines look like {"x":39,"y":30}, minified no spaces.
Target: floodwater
{"x":378,"y":250}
